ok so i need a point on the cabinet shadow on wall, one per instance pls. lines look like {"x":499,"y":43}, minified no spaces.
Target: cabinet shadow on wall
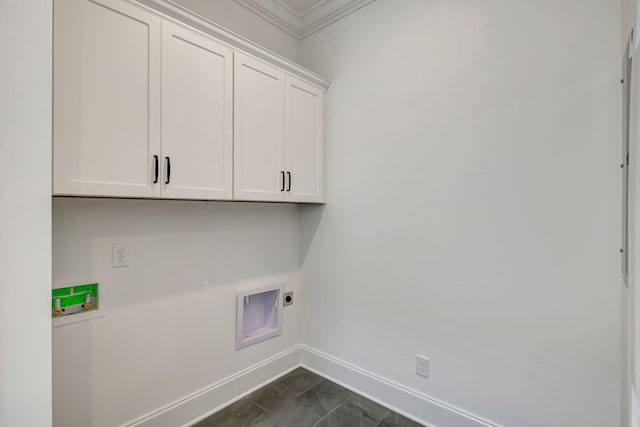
{"x":176,"y":247}
{"x":310,"y":218}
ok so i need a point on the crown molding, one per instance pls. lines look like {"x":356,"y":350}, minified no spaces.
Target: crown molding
{"x":298,"y":13}
{"x":185,"y":16}
{"x":301,"y":25}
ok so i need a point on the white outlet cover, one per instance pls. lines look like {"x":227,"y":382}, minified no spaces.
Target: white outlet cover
{"x":120,"y":255}
{"x":423,"y":366}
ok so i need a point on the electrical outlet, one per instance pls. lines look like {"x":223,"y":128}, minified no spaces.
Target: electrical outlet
{"x":422,"y":366}
{"x":120,"y":256}
{"x":287,"y":299}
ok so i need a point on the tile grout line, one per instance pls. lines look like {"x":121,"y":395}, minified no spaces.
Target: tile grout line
{"x":317,"y":419}
{"x":320,"y":379}
{"x":344,"y":402}
{"x":348,"y":398}
{"x":306,"y":410}
{"x":308,"y":388}
{"x":252,"y":401}
{"x":332,"y":411}
{"x":249,"y":421}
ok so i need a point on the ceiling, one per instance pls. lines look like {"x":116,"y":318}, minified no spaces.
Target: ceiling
{"x":301,"y":18}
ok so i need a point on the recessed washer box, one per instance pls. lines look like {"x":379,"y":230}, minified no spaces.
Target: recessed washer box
{"x":77,"y":303}
{"x":259,"y":315}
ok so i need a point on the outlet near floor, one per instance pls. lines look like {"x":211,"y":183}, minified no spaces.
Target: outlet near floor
{"x":422,"y":366}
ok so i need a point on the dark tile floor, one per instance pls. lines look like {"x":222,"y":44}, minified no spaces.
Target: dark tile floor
{"x":302,"y":398}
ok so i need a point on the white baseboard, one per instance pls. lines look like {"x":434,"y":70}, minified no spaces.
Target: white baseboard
{"x":205,"y":402}
{"x":403,"y":400}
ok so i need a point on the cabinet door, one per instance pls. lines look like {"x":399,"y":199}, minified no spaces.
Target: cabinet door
{"x":258,"y":130}
{"x":197,"y":115}
{"x":304,"y":141}
{"x":106,"y":98}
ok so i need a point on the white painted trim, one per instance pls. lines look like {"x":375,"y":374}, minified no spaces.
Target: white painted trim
{"x":347,"y":10}
{"x":403,"y":400}
{"x":271,"y":18}
{"x":201,"y":404}
{"x":307,"y":10}
{"x":296,"y":31}
{"x":412,"y":404}
{"x":185,"y":16}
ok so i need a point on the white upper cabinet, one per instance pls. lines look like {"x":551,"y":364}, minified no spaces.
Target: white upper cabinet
{"x":197,"y":116}
{"x":144,"y":106}
{"x":304,"y":141}
{"x":279,"y":135}
{"x":259,"y":130}
{"x":106,"y":98}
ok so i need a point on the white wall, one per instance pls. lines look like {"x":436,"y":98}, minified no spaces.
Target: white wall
{"x":170,"y":327}
{"x":628,"y":21}
{"x":242,"y":21}
{"x":171,"y":320}
{"x":25,"y":213}
{"x":473,"y":208}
